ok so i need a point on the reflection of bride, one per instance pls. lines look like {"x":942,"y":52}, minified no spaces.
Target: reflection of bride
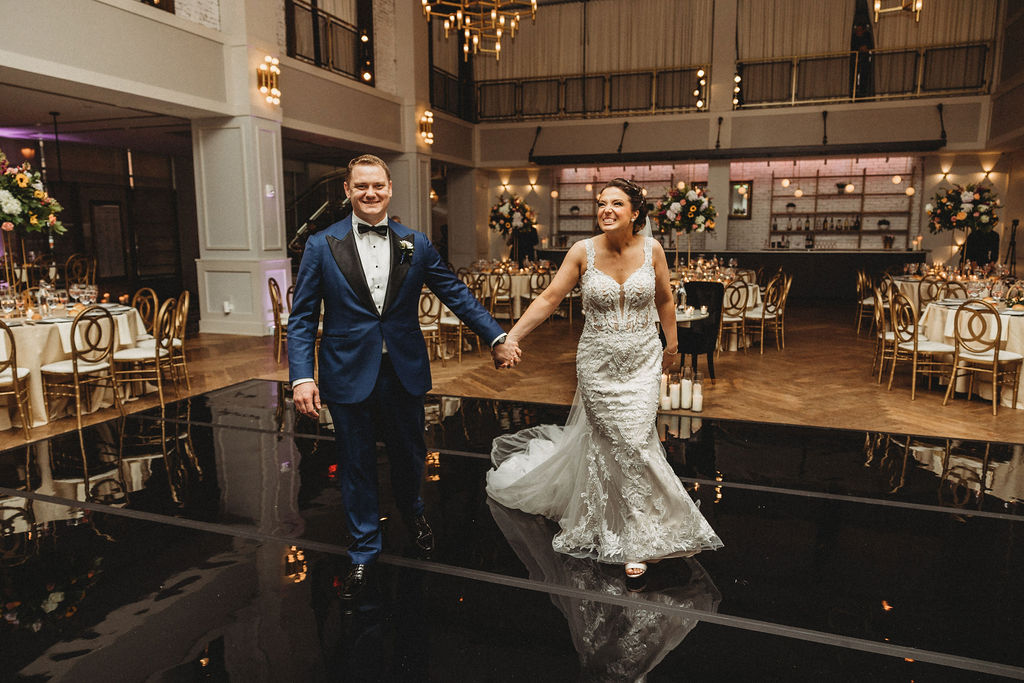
{"x":604,"y":476}
{"x":615,"y":642}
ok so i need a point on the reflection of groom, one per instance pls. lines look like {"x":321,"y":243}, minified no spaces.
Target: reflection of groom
{"x":368,"y":273}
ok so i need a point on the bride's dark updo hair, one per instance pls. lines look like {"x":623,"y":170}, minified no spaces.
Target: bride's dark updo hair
{"x":636,"y":199}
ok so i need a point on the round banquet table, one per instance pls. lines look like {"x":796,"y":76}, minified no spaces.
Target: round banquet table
{"x":937,"y":322}
{"x":50,"y":341}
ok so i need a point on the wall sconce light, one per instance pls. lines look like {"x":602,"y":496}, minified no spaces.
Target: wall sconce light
{"x":701,"y":88}
{"x":554,"y":194}
{"x":505,"y":187}
{"x":849,"y":188}
{"x":913,"y":6}
{"x":784,"y":182}
{"x":945,"y":173}
{"x":680,"y":185}
{"x":28,"y":153}
{"x":427,"y":127}
{"x":736,"y":91}
{"x":267,"y":74}
{"x":432,"y":196}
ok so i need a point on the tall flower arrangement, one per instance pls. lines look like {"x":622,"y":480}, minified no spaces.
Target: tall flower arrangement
{"x":511,"y":215}
{"x":687,"y":208}
{"x":963,"y":208}
{"x":24,"y":203}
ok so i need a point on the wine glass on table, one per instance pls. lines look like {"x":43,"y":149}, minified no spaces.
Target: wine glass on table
{"x":62,"y":299}
{"x":7,"y":297}
{"x":75,"y":291}
{"x":88,"y":294}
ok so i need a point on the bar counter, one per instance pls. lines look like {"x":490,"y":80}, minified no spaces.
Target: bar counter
{"x":819,"y":275}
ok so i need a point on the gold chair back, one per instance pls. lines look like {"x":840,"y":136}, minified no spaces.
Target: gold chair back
{"x":956,"y":290}
{"x":429,"y":309}
{"x":977,"y":327}
{"x":904,"y":319}
{"x":771,"y":301}
{"x":18,"y":387}
{"x":80,"y":268}
{"x":538,"y":283}
{"x":146,"y":303}
{"x":92,"y":336}
{"x":289,"y":296}
{"x":1014,"y":291}
{"x":275,"y":300}
{"x":735,"y":301}
{"x":929,"y":289}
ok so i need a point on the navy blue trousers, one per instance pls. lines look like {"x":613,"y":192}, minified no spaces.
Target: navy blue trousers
{"x":399,"y":415}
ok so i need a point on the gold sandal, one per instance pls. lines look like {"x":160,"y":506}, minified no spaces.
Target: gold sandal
{"x":634,"y":570}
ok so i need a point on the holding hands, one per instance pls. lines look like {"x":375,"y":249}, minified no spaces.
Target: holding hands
{"x":506,"y":354}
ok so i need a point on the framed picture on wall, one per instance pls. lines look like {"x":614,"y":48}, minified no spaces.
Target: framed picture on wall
{"x":108,"y":238}
{"x":740,"y":195}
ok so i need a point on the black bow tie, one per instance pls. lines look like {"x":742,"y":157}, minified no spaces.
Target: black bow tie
{"x":381,"y":229}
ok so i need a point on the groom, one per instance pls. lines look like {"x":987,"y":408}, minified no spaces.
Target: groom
{"x":368,"y":272}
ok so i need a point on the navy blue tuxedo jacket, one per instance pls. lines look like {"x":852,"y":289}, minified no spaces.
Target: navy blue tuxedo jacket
{"x":353,"y":331}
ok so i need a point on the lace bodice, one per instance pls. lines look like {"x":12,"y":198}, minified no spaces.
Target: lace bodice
{"x":613,"y":307}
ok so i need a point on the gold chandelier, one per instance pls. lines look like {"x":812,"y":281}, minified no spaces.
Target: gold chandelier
{"x":483,"y":23}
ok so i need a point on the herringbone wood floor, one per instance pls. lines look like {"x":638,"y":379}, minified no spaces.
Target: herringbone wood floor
{"x":822,"y":378}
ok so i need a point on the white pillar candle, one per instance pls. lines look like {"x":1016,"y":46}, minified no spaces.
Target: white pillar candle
{"x":695,"y":425}
{"x":686,"y":394}
{"x":698,"y":398}
{"x":673,"y":395}
{"x":664,"y":385}
{"x":666,"y":403}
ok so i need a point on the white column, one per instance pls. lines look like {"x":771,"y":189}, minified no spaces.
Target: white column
{"x":410,"y":178}
{"x":718,"y":189}
{"x":239,"y":197}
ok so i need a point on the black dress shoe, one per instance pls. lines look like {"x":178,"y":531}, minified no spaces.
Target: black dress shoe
{"x":355,"y":581}
{"x":422,"y":534}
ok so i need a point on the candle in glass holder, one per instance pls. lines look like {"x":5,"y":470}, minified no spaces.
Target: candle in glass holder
{"x":686,"y":393}
{"x":698,"y":398}
{"x":673,"y":395}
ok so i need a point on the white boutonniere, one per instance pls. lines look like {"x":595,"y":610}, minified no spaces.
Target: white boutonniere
{"x":406,"y":248}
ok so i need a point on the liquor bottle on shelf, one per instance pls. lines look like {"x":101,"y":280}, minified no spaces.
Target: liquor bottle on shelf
{"x":775,"y":224}
{"x":809,"y":241}
{"x":856,"y":222}
{"x":789,"y":225}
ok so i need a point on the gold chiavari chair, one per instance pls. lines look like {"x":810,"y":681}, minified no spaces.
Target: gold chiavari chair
{"x":956,"y":290}
{"x":929,"y":289}
{"x":924,"y":355}
{"x":280,"y":318}
{"x":885,"y":339}
{"x":977,"y":333}
{"x":150,"y":363}
{"x":430,"y":325}
{"x":179,"y":352}
{"x":501,"y":294}
{"x":90,"y":367}
{"x":14,"y":379}
{"x":767,"y":314}
{"x":787,"y":284}
{"x":573,"y":299}
{"x":146,"y":303}
{"x":865,"y":301}
{"x":1014,"y":291}
{"x":289,"y":296}
{"x":734,"y":314}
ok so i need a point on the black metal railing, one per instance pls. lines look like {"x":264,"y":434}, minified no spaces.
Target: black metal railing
{"x":577,"y":95}
{"x":447,"y":94}
{"x":961,"y":69}
{"x":328,"y":42}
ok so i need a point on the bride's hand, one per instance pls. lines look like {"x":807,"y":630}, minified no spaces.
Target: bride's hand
{"x":670,"y":360}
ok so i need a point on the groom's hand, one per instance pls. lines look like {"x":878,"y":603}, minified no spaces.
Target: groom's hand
{"x":507,"y":354}
{"x":307,"y":399}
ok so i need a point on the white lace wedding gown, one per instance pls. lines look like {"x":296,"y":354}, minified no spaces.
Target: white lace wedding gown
{"x":603,"y":476}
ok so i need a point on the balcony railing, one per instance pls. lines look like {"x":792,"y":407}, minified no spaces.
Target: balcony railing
{"x":338,"y":41}
{"x":577,"y":96}
{"x":961,"y":69}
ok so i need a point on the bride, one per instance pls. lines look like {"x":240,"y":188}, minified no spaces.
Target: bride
{"x":603,"y":476}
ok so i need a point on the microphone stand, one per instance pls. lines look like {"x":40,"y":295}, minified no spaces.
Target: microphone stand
{"x":1011,"y":249}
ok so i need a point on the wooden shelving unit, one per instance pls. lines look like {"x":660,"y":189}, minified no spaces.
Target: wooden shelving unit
{"x":853,"y":211}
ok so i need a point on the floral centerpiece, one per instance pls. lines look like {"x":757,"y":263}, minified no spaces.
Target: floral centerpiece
{"x":963,"y":208}
{"x":24,"y":204}
{"x":687,"y":208}
{"x":511,"y":215}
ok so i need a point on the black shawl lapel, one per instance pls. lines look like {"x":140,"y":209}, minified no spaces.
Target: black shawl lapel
{"x":347,"y":258}
{"x":398,"y":268}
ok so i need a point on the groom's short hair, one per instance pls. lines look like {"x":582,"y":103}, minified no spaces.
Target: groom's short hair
{"x":369,"y":160}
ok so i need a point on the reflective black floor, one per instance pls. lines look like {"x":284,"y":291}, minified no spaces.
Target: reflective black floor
{"x":210,"y":545}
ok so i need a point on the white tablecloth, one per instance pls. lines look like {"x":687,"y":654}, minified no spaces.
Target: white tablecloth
{"x":42,"y":343}
{"x":937,"y":322}
{"x":520,"y":284}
